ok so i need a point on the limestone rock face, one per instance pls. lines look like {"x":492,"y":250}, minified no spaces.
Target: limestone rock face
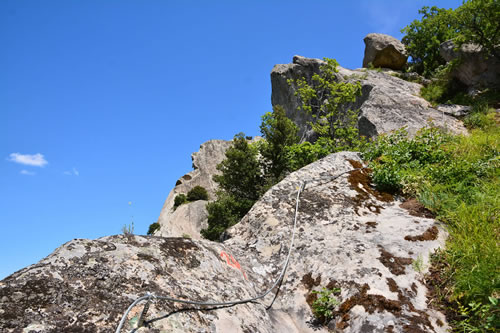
{"x":387,"y":102}
{"x":348,"y":236}
{"x":475,"y":69}
{"x":384,"y":51}
{"x":190,"y":218}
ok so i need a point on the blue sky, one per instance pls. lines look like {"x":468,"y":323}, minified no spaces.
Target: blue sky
{"x":102,"y":102}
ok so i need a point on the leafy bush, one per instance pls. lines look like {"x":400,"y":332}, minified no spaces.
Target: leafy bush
{"x":153,"y":227}
{"x":323,"y":307}
{"x":179,"y":200}
{"x":300,"y":155}
{"x":197,"y":193}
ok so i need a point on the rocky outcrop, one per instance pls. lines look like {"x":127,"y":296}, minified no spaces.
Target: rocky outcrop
{"x":190,"y":218}
{"x":387,"y":102}
{"x":475,"y":69}
{"x":384,"y":51}
{"x":349,"y":236}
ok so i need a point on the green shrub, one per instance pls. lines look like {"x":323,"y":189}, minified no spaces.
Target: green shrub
{"x":197,"y":193}
{"x":223,"y":213}
{"x":324,"y":306}
{"x":179,"y":200}
{"x":153,"y":227}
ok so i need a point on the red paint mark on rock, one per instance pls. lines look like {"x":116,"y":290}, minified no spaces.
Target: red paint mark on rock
{"x":232,"y":262}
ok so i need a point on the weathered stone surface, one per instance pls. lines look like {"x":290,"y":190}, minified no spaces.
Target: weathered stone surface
{"x":384,"y":51}
{"x":349,"y":236}
{"x":191,"y":218}
{"x":387,"y":102}
{"x":475,"y":69}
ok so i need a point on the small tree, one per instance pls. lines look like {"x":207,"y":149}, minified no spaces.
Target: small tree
{"x":279,"y":132}
{"x":197,"y":193}
{"x":326,"y":99}
{"x":241,"y":174}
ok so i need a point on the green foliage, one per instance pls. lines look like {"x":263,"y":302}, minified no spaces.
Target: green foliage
{"x":279,"y":133}
{"x":479,"y":317}
{"x":478,"y":117}
{"x":324,"y":306}
{"x":458,"y":178}
{"x":325,"y":99}
{"x":396,"y":156}
{"x":153,"y":227}
{"x":300,"y":155}
{"x":479,"y":22}
{"x":197,"y":193}
{"x":179,"y":200}
{"x":241,"y":174}
{"x":223,"y":213}
{"x":422,"y":39}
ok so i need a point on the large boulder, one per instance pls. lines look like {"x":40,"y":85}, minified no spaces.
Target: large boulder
{"x":475,"y":68}
{"x":348,"y":236}
{"x":384,"y":51}
{"x":387,"y":103}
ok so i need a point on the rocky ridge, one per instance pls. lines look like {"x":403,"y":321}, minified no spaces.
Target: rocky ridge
{"x":349,"y":236}
{"x":387,"y":103}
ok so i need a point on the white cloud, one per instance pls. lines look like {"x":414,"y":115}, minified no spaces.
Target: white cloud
{"x":27,"y":173}
{"x":72,"y":172}
{"x":33,"y":160}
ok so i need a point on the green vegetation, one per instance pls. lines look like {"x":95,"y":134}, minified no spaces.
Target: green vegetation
{"x":422,"y":39}
{"x":458,"y":179}
{"x":197,"y":193}
{"x":279,"y":133}
{"x":475,"y":21}
{"x":324,"y":306}
{"x":153,"y":227}
{"x":179,"y":200}
{"x":325,"y":98}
